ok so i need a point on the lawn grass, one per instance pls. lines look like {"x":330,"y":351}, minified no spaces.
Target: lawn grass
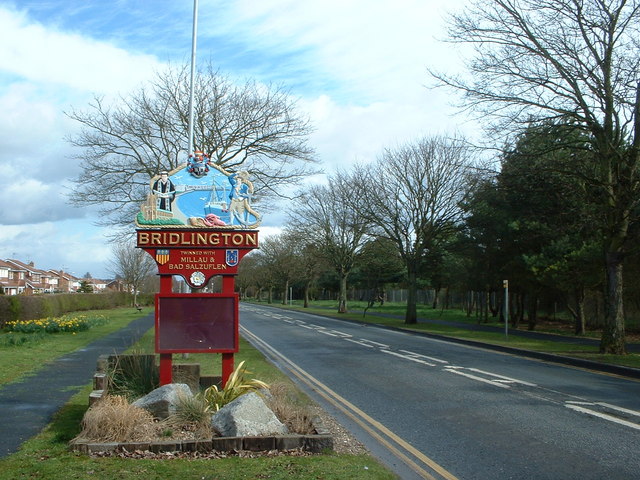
{"x":47,"y":456}
{"x":395,"y":318}
{"x":25,"y":359}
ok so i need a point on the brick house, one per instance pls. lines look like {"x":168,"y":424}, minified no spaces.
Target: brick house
{"x":64,"y":282}
{"x":36,"y":280}
{"x":12,"y":278}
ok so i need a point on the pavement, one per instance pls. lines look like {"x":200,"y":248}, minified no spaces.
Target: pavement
{"x":29,"y":405}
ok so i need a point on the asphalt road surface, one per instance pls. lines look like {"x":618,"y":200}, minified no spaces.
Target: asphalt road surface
{"x":434,"y":409}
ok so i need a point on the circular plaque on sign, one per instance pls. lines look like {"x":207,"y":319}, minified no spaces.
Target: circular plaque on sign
{"x":197,"y":278}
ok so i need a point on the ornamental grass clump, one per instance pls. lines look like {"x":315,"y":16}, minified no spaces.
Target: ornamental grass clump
{"x":296,"y":415}
{"x":133,"y":376}
{"x":236,"y":386}
{"x":192,"y":415}
{"x":114,"y":419}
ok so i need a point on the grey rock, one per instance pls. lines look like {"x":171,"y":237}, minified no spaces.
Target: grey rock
{"x":163,"y":401}
{"x":247,"y":416}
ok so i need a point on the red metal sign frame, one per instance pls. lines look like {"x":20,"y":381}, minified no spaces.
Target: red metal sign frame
{"x":196,"y":323}
{"x":196,"y":255}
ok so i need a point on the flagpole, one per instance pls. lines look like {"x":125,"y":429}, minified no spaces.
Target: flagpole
{"x":193,"y":70}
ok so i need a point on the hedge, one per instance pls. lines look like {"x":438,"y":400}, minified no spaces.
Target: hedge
{"x":31,"y":307}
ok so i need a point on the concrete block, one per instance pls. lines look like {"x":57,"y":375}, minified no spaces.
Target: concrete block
{"x":100,"y":381}
{"x":258,"y":444}
{"x":318,"y":443}
{"x":289,"y":442}
{"x":109,"y":447}
{"x":226,"y":444}
{"x":102,"y":365}
{"x":95,"y":396}
{"x":197,"y":446}
{"x":133,"y":446}
{"x":168,"y":446}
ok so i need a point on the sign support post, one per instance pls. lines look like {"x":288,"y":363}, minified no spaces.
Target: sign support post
{"x":197,"y":323}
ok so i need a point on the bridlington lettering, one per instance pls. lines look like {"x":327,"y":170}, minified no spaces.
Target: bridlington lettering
{"x":197,"y":239}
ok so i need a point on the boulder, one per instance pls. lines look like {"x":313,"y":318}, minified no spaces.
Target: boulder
{"x":247,"y":416}
{"x":162,"y":401}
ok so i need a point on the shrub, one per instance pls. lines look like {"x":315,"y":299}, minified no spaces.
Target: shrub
{"x":235,"y":386}
{"x":30,"y":307}
{"x":133,"y":376}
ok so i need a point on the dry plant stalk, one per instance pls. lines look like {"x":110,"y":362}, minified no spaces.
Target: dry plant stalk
{"x":296,"y":417}
{"x":113,"y":419}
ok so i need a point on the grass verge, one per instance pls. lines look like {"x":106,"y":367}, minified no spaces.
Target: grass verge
{"x":38,"y":349}
{"x":392,"y":315}
{"x":48,"y":457}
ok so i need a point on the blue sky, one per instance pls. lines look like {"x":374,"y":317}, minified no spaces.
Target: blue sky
{"x":357,"y":68}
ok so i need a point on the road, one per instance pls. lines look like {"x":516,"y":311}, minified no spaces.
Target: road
{"x":434,"y":409}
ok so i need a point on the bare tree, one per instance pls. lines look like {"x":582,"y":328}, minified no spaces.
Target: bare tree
{"x":411,"y":196}
{"x":251,"y":127}
{"x":577,"y":61}
{"x":282,"y":253}
{"x":323,"y":213}
{"x":133,"y":265}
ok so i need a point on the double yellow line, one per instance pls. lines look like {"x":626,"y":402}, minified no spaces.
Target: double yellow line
{"x":416,"y":460}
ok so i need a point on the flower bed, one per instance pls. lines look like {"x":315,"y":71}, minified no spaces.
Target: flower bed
{"x":66,"y":323}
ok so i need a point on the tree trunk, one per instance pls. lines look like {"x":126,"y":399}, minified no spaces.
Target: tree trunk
{"x":307,"y":287}
{"x":436,"y":291}
{"x":613,"y":335}
{"x":495,"y":303}
{"x":411,"y":315}
{"x":470,"y":302}
{"x":342,"y":298}
{"x":286,"y":292}
{"x":518,"y":315}
{"x":578,"y":313}
{"x":532,"y":312}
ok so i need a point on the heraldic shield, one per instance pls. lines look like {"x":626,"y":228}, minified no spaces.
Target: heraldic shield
{"x":162,"y":256}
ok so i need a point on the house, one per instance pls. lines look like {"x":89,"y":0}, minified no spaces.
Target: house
{"x":64,"y":282}
{"x":12,"y":279}
{"x":116,"y":286}
{"x":20,"y":278}
{"x":36,"y":280}
{"x":97,"y":285}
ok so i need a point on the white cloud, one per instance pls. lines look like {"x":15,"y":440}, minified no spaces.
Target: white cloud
{"x":73,"y":245}
{"x":359,"y":68}
{"x":44,"y":72}
{"x":364,"y":62}
{"x":44,"y":55}
{"x":375,"y":49}
{"x":348,"y":133}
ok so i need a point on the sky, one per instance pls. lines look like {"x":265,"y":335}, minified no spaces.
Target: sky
{"x":357,"y":68}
